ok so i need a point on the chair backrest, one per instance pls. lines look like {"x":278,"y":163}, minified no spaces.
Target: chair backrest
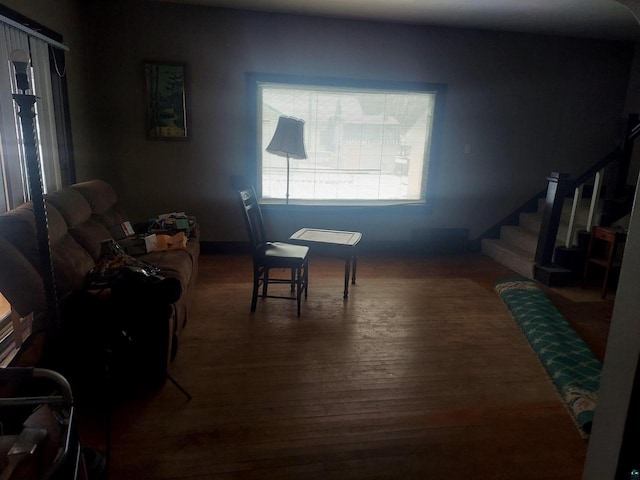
{"x":253,"y":220}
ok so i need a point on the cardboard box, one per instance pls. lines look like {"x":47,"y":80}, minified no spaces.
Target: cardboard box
{"x":139,"y":244}
{"x":172,"y":242}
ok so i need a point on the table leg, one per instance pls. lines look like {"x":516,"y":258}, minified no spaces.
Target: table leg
{"x":347,"y":266}
{"x":354,"y":261}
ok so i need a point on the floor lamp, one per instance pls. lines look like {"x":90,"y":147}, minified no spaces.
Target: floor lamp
{"x":27,"y":115}
{"x":288,"y":141}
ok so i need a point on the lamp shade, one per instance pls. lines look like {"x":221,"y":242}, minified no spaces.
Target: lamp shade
{"x":288,"y":139}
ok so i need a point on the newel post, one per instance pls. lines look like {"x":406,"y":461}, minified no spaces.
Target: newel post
{"x":556,"y":193}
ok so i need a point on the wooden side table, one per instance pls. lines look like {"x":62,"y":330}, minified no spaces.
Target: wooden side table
{"x":605,"y":250}
{"x":338,"y":242}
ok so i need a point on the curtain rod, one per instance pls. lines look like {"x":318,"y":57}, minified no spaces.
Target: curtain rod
{"x":33,"y":33}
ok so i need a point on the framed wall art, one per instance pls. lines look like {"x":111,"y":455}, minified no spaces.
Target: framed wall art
{"x":165,"y":101}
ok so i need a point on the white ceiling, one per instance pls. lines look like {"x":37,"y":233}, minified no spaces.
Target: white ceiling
{"x":582,"y":18}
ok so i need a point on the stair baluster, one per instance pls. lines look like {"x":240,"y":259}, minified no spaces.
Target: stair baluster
{"x":577,"y":195}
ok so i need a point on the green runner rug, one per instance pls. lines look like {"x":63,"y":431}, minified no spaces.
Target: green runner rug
{"x":570,"y":364}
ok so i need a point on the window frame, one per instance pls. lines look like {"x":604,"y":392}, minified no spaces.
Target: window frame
{"x":47,"y":80}
{"x":254,"y":79}
{"x":6,"y":330}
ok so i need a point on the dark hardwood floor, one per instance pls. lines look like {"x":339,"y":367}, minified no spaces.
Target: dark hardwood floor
{"x":420,"y":374}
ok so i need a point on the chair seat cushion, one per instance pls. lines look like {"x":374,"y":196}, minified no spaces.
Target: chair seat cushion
{"x":279,"y":254}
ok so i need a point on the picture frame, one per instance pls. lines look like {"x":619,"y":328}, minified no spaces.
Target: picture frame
{"x":166,"y":110}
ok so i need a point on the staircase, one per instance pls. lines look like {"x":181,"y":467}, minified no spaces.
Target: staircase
{"x":564,"y":218}
{"x":516,"y":246}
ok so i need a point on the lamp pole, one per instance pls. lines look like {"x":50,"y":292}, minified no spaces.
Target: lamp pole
{"x":27,"y":116}
{"x":287,"y":201}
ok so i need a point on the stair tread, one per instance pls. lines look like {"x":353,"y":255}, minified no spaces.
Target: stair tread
{"x":511,"y":256}
{"x":519,"y":237}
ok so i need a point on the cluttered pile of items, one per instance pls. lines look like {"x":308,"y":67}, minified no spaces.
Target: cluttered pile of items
{"x":122,"y":257}
{"x":169,"y":231}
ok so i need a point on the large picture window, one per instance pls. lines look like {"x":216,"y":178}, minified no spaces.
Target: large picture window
{"x":365,"y":143}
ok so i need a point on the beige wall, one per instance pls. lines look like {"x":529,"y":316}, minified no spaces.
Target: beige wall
{"x":526,"y":105}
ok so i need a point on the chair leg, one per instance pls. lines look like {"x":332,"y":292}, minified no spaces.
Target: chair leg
{"x":298,"y":281}
{"x":298,"y":275}
{"x":265,"y":282}
{"x":254,"y":296}
{"x":306,"y":278}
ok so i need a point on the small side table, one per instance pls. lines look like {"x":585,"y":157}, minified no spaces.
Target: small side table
{"x":338,"y":242}
{"x":605,"y":250}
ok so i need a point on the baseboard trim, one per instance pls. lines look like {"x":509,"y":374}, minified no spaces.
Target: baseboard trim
{"x":220,"y":248}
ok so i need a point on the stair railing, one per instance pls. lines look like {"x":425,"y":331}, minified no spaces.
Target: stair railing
{"x":561,"y":185}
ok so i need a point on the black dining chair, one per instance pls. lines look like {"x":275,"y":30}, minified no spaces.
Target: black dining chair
{"x":269,"y":255}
